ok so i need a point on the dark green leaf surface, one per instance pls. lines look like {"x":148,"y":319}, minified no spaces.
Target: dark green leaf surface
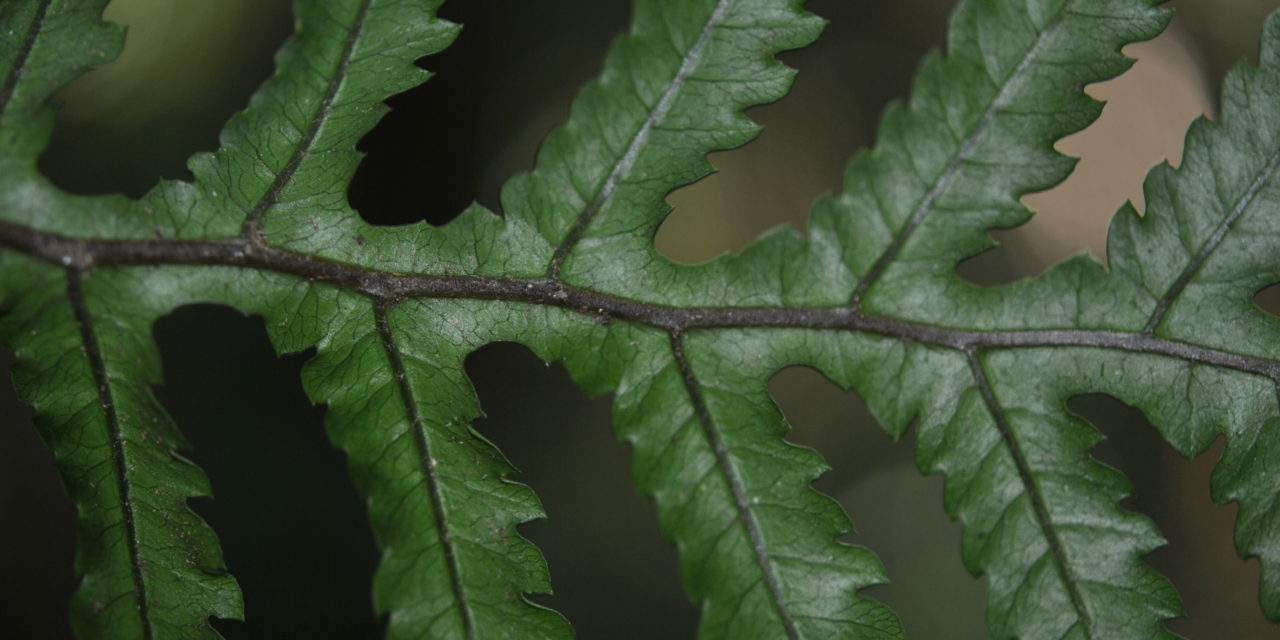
{"x":870,"y":298}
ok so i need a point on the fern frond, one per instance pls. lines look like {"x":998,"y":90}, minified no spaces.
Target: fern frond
{"x":870,"y":298}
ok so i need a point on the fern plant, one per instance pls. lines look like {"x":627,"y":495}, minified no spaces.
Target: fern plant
{"x":869,"y":296}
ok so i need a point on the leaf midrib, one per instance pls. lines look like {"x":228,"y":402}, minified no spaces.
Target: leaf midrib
{"x":84,"y":253}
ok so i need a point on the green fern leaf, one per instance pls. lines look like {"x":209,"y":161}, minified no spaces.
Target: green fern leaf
{"x":870,"y":298}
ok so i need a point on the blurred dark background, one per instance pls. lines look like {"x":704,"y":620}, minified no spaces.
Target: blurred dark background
{"x":293,"y":529}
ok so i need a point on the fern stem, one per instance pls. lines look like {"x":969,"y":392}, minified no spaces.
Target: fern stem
{"x":389,"y":286}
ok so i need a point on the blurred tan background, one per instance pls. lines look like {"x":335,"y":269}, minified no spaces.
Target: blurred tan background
{"x":292,"y":527}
